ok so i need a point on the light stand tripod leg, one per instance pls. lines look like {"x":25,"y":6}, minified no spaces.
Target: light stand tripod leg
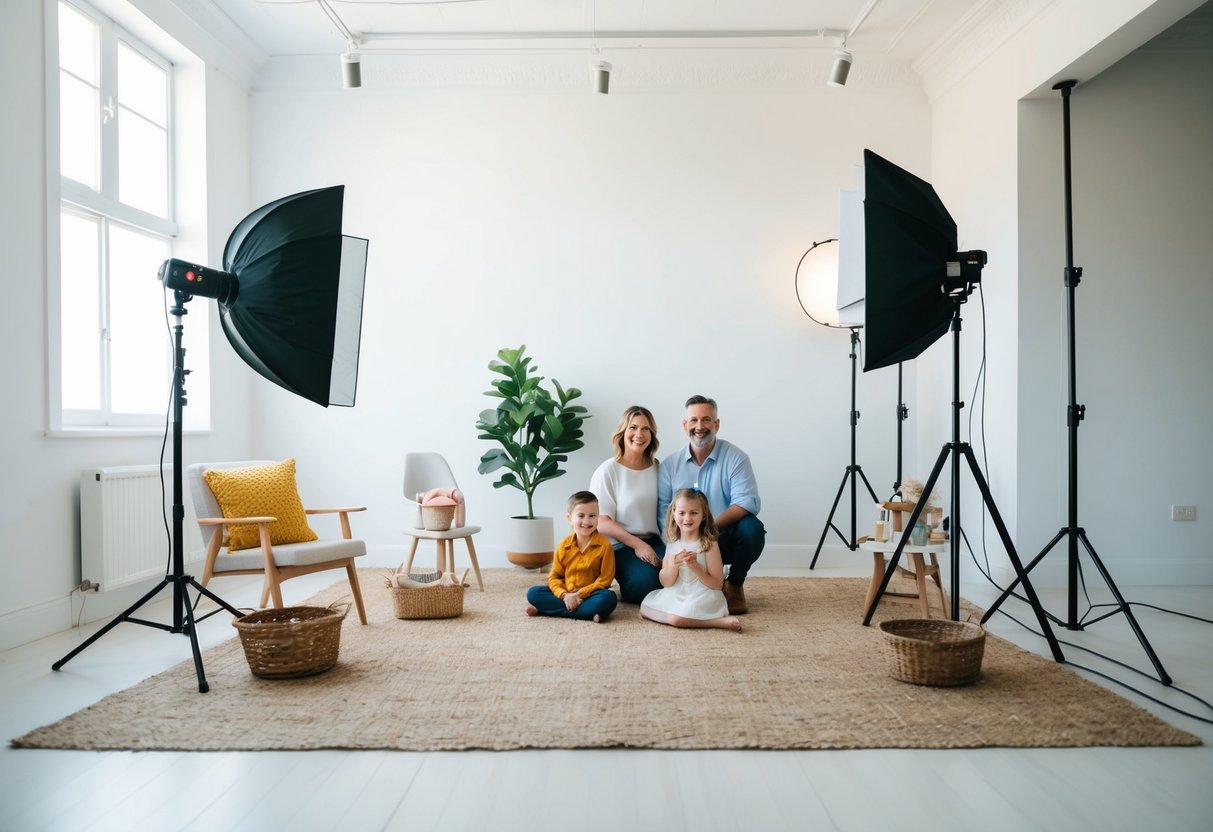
{"x":1123,"y":605}
{"x":830,"y":520}
{"x":1010,"y":590}
{"x":191,"y":630}
{"x":204,"y":591}
{"x":851,"y":471}
{"x":868,"y":485}
{"x":849,"y":476}
{"x":124,"y":616}
{"x":1012,"y":555}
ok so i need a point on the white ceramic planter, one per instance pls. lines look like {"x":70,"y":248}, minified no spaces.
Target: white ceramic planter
{"x":529,"y":542}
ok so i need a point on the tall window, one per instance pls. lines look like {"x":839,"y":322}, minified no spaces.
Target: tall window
{"x":116,"y":224}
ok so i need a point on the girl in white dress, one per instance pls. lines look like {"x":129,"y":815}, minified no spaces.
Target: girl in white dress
{"x":692,"y":572}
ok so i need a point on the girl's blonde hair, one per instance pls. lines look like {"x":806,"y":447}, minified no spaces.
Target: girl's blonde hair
{"x":650,"y":453}
{"x":708,"y":533}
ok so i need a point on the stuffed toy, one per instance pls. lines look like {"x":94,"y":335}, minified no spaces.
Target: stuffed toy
{"x":445,"y":497}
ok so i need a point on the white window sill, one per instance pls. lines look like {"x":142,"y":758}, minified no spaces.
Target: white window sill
{"x":95,"y":432}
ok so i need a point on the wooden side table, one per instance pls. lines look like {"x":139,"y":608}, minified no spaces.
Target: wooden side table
{"x":924,"y":563}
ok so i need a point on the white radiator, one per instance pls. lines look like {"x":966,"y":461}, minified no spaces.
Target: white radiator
{"x":122,"y":518}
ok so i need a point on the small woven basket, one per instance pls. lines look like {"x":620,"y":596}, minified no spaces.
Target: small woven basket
{"x":291,"y":642}
{"x":927,"y":651}
{"x":437,"y":518}
{"x":429,"y":602}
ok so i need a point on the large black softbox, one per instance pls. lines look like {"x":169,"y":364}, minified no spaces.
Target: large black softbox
{"x":290,"y":294}
{"x":297,"y":316}
{"x":909,"y":237}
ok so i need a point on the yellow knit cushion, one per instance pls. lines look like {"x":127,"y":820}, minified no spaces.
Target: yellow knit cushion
{"x":260,"y":491}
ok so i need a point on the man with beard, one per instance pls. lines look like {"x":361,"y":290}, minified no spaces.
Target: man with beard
{"x":723,"y":473}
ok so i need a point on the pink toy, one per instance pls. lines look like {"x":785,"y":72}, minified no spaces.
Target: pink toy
{"x":445,"y":497}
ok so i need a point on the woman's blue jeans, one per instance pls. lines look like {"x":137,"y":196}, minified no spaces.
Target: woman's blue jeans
{"x":637,"y":578}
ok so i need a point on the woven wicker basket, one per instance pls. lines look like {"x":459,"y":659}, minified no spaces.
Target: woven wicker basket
{"x":430,"y":602}
{"x":291,"y":642}
{"x":926,"y":651}
{"x":437,"y":518}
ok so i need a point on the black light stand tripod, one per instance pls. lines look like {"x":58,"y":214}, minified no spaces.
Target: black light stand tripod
{"x":955,"y":450}
{"x":183,"y":613}
{"x":1075,"y":413}
{"x":853,"y":470}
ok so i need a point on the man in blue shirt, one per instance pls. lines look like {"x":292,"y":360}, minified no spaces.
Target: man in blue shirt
{"x":723,"y":473}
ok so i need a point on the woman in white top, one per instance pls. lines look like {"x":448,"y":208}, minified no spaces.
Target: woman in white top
{"x":626,"y":487}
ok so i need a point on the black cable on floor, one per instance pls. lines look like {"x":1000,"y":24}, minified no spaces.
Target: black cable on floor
{"x":1125,"y":685}
{"x":1162,"y":609}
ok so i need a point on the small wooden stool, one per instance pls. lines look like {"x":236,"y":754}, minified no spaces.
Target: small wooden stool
{"x":445,"y":540}
{"x":920,"y":569}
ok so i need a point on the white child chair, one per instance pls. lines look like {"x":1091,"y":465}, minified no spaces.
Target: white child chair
{"x":425,"y":471}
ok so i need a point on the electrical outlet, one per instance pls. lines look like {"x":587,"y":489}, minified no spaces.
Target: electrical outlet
{"x":1183,"y":512}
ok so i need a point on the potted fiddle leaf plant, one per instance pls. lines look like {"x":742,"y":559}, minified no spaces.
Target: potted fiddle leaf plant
{"x":534,"y":429}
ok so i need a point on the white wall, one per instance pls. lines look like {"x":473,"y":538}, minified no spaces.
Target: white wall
{"x":996,"y":163}
{"x":642,"y":245}
{"x":39,"y":496}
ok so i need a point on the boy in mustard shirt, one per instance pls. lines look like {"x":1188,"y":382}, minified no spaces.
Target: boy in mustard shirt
{"x":579,"y":585}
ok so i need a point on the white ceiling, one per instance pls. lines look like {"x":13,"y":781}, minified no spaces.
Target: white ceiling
{"x":901,"y":30}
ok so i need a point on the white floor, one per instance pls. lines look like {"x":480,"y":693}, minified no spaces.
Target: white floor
{"x":990,"y":789}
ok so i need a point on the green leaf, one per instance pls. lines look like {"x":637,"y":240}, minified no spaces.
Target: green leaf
{"x":509,"y":356}
{"x":528,"y":456}
{"x":510,"y":480}
{"x":492,"y":460}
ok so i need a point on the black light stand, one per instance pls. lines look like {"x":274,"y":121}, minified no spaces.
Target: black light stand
{"x":853,"y":470}
{"x":184,"y":620}
{"x":1075,"y":413}
{"x":903,"y":413}
{"x":955,"y":450}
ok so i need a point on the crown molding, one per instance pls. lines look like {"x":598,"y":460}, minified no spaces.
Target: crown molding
{"x":980,"y":33}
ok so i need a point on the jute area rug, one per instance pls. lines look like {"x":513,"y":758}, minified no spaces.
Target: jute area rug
{"x":803,"y":674}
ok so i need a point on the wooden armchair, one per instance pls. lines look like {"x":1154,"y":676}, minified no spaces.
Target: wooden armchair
{"x":277,"y":562}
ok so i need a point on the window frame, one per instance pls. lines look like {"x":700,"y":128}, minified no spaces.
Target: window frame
{"x":65,"y":194}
